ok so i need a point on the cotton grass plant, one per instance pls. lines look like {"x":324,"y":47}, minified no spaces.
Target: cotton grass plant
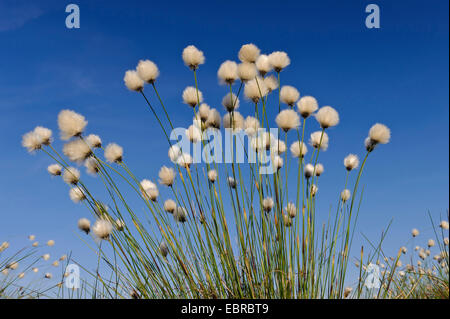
{"x":419,"y":270}
{"x":218,"y":230}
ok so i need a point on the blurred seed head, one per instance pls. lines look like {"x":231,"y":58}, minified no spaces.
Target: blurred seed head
{"x":71,"y":124}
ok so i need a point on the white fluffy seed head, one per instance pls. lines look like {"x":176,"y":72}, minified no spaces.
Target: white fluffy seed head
{"x":203,"y":111}
{"x":44,"y":134}
{"x":4,"y":246}
{"x":235,"y":122}
{"x":279,"y":60}
{"x":71,"y":175}
{"x":193,"y":57}
{"x":102,"y":229}
{"x":231,"y":182}
{"x":309,"y":170}
{"x":185,"y":160}
{"x":415,"y":232}
{"x":307,"y":105}
{"x":54,"y":169}
{"x":277,"y":161}
{"x":278,"y":147}
{"x":230,"y":102}
{"x":319,"y":169}
{"x":379,"y":133}
{"x":180,"y":214}
{"x":269,"y":140}
{"x":132,"y":81}
{"x":327,"y":117}
{"x":214,"y":120}
{"x":174,"y":152}
{"x":369,"y":144}
{"x":287,"y":220}
{"x":262,"y":142}
{"x":287,"y":120}
{"x":228,"y":72}
{"x":246,"y":71}
{"x":166,"y":176}
{"x":446,"y":241}
{"x":31,"y":141}
{"x":314,"y":189}
{"x":430,"y":243}
{"x":444,"y":224}
{"x":319,"y":140}
{"x":347,"y":291}
{"x":85,"y":225}
{"x":76,"y":195}
{"x":94,"y":141}
{"x":114,"y":153}
{"x":163,"y":249}
{"x":77,"y":150}
{"x":13,"y":266}
{"x":271,"y":83}
{"x":51,"y":243}
{"x":212,"y":175}
{"x":298,"y":149}
{"x":170,"y":206}
{"x":71,"y":124}
{"x":255,"y":89}
{"x":92,"y":166}
{"x":351,"y":161}
{"x":289,"y":95}
{"x":46,"y":257}
{"x":147,"y":71}
{"x":190,"y":96}
{"x":263,"y":64}
{"x":267,"y":204}
{"x":194,"y":134}
{"x":291,"y":210}
{"x":149,"y":190}
{"x":345,"y":195}
{"x":48,"y":275}
{"x":249,"y":53}
{"x":120,"y":224}
{"x":251,"y":125}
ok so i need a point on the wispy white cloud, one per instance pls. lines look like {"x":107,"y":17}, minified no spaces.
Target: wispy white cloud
{"x":47,"y":79}
{"x":14,"y":14}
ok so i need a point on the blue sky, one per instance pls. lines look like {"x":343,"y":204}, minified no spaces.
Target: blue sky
{"x":397,"y":75}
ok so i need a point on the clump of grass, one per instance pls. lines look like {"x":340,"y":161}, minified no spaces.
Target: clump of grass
{"x":418,"y":271}
{"x":218,"y":230}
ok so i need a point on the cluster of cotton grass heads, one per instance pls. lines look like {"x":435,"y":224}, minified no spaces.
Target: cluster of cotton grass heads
{"x":419,"y":270}
{"x":219,"y":230}
{"x":28,"y":272}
